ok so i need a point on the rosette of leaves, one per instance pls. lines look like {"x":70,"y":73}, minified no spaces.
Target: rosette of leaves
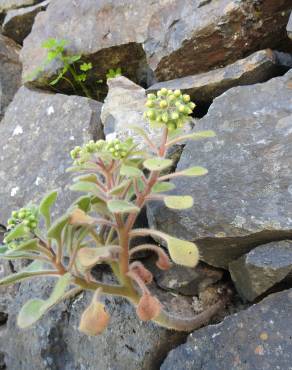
{"x":117,"y":181}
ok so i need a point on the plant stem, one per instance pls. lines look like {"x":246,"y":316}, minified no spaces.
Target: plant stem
{"x":75,"y":76}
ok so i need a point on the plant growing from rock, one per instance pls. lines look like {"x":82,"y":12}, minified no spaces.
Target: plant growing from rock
{"x":98,"y":228}
{"x":73,"y":70}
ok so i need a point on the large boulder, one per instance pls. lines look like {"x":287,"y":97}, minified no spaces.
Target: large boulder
{"x":36,"y":136}
{"x":260,"y":269}
{"x":289,"y":26}
{"x":204,"y":87}
{"x":171,"y":37}
{"x":258,"y":338}
{"x":18,"y":22}
{"x":10,"y":71}
{"x":245,"y":199}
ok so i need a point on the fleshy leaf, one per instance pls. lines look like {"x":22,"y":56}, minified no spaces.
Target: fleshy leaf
{"x":91,"y":177}
{"x":161,"y":187}
{"x":183,"y":252}
{"x":157,"y":164}
{"x":200,"y":135}
{"x":83,"y":202}
{"x":117,"y":190}
{"x":121,"y":206}
{"x":32,"y":270}
{"x":89,"y":257}
{"x":130,"y":171}
{"x":46,"y":204}
{"x":86,"y":187}
{"x":79,"y":217}
{"x":19,"y":231}
{"x":179,"y":202}
{"x":56,"y":229}
{"x":194,"y":171}
{"x":34,"y":309}
{"x":29,"y":245}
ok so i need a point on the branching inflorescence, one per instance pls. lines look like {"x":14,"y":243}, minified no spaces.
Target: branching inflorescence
{"x":118,"y":180}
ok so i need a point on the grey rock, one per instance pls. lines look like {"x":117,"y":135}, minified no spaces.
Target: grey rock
{"x":10,"y":71}
{"x":258,"y":67}
{"x":245,"y":199}
{"x":18,"y":22}
{"x":188,"y":281}
{"x":123,"y":108}
{"x":289,"y":26}
{"x":36,"y":136}
{"x":263,"y":267}
{"x":257,"y":338}
{"x":172,"y":38}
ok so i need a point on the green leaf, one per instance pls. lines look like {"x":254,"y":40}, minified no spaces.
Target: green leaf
{"x":178,"y":202}
{"x":56,"y":229}
{"x":200,"y":135}
{"x":32,"y":270}
{"x":86,"y":187}
{"x":161,"y":187}
{"x":83,"y":202}
{"x":117,"y":190}
{"x":89,"y":257}
{"x":29,"y":245}
{"x":122,"y":206}
{"x":141,"y":187}
{"x":183,"y":252}
{"x":194,"y":171}
{"x":46,"y":205}
{"x":85,"y":67}
{"x":34,"y":309}
{"x":157,"y":164}
{"x":91,"y":177}
{"x":19,"y":231}
{"x":130,"y":171}
{"x":100,"y":206}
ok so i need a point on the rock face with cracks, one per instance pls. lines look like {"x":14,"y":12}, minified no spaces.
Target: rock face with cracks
{"x":36,"y":136}
{"x":260,"y":269}
{"x":10,"y":71}
{"x":258,"y":338}
{"x":245,"y":199}
{"x":173,"y":39}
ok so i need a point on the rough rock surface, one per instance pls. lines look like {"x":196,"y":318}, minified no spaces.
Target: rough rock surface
{"x":36,"y":136}
{"x":257,"y":67}
{"x":10,"y":71}
{"x":176,"y":38}
{"x":258,"y":338}
{"x":56,"y":343}
{"x":123,"y":108}
{"x":245,"y":199}
{"x":18,"y":22}
{"x":188,"y":281}
{"x":262,"y":268}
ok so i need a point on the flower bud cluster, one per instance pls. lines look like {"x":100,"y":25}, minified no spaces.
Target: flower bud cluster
{"x":168,"y":107}
{"x":115,"y":149}
{"x":80,"y":155}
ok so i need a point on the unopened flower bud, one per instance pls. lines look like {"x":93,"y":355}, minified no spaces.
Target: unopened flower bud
{"x":165,"y":117}
{"x":186,"y":98}
{"x":144,"y":274}
{"x":148,"y":307}
{"x":177,"y":93}
{"x":163,"y":104}
{"x":94,"y":319}
{"x":151,"y":96}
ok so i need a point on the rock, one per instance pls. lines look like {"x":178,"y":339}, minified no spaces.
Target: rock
{"x":36,"y":136}
{"x":243,"y":201}
{"x":10,"y":72}
{"x":188,"y":281}
{"x":263,"y":267}
{"x":257,"y":338}
{"x":55,"y":342}
{"x":171,"y":38}
{"x":289,"y":26}
{"x":18,"y":22}
{"x":203,"y":88}
{"x":123,"y":108}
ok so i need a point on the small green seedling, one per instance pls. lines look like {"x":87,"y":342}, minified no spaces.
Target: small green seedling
{"x":117,"y":180}
{"x":72,"y":70}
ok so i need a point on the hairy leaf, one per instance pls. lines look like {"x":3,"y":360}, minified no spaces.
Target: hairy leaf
{"x":161,"y":187}
{"x":32,"y":270}
{"x":121,"y":206}
{"x":157,"y":164}
{"x":46,"y":205}
{"x":194,"y":171}
{"x":183,"y":252}
{"x":19,"y":231}
{"x":179,"y":202}
{"x":56,"y":229}
{"x":130,"y":171}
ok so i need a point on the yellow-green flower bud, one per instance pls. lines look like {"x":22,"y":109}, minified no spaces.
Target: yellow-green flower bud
{"x":174,"y":115}
{"x":163,"y":104}
{"x":150,"y":104}
{"x":177,"y":93}
{"x":192,"y":105}
{"x":165,"y":117}
{"x":186,"y":98}
{"x":151,"y":114}
{"x":181,"y":108}
{"x":164,"y":91}
{"x":151,"y":96}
